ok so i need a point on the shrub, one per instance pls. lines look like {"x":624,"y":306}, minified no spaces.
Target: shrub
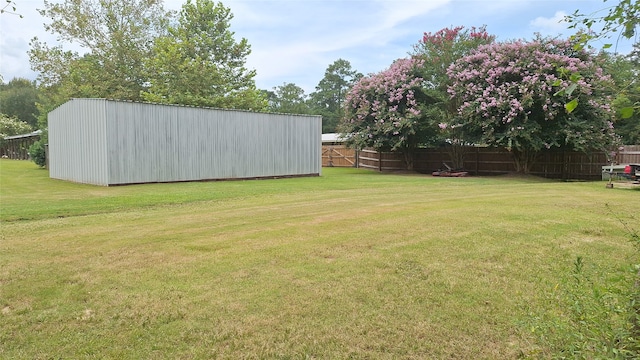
{"x":38,"y":153}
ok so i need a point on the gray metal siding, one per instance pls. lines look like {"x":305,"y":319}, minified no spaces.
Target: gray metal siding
{"x":163,"y":143}
{"x":77,"y":149}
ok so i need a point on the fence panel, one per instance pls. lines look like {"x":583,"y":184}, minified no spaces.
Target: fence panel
{"x":555,"y":164}
{"x":369,"y":159}
{"x":629,"y":154}
{"x":490,"y":161}
{"x":429,"y":161}
{"x":338,"y":156}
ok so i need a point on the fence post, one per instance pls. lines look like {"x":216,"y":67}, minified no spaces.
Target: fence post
{"x":330,"y":164}
{"x":477,"y":161}
{"x":46,"y":155}
{"x":563,"y":172}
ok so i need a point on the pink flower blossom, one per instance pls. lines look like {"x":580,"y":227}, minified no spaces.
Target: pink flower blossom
{"x":514,"y":84}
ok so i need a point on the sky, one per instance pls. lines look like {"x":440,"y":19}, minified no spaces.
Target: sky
{"x":294,"y":41}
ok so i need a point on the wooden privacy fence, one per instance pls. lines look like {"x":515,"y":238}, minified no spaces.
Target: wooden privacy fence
{"x":338,"y":156}
{"x":628,"y":154}
{"x":381,"y":161}
{"x":555,"y":164}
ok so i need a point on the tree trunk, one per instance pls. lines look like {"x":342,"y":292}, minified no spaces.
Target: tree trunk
{"x":524,"y":160}
{"x":456,"y":155}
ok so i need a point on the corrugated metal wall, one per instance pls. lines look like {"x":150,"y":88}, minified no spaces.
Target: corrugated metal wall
{"x":163,"y":143}
{"x":77,"y":142}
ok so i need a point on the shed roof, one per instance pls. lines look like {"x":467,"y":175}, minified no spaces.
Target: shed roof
{"x":333,"y":138}
{"x":31,"y":134}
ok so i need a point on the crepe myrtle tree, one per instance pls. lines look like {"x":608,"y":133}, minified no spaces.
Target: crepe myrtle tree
{"x":523,"y":95}
{"x":439,"y":50}
{"x":385,"y":111}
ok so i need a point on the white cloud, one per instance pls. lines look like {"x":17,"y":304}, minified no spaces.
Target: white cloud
{"x":14,"y":43}
{"x":295,"y":40}
{"x":394,"y":13}
{"x":323,"y":33}
{"x":550,"y":26}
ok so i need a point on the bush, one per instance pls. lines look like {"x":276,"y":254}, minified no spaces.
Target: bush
{"x":38,"y":153}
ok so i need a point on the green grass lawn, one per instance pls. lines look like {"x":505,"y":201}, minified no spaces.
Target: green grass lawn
{"x":352,"y":264}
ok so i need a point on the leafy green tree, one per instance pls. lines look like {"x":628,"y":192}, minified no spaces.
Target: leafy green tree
{"x":330,"y":94}
{"x":116,"y":35}
{"x":622,"y":20}
{"x":80,"y":80}
{"x":509,"y":98}
{"x":200,"y":63}
{"x":269,"y":96}
{"x":289,"y":99}
{"x":18,"y":98}
{"x":625,"y":72}
{"x":627,"y":127}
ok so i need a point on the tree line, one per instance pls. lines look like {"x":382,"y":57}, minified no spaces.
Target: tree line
{"x":136,"y":50}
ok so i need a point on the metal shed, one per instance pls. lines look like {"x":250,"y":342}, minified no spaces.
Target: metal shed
{"x":110,"y":142}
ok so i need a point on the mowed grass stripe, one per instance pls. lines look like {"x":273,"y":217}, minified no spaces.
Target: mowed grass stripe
{"x":351,"y":264}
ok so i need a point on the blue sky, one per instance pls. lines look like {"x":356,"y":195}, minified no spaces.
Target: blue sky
{"x":293,"y":41}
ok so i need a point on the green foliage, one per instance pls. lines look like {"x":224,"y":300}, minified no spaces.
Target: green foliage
{"x":626,"y":112}
{"x":18,"y":98}
{"x":289,"y":99}
{"x":138,"y":51}
{"x":622,"y":19}
{"x":627,"y":124}
{"x":200,"y":63}
{"x":117,"y":37}
{"x":38,"y":154}
{"x":625,"y":71}
{"x":329,"y":97}
{"x":10,"y":126}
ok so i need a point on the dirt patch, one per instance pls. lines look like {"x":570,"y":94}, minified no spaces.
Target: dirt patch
{"x":626,"y":185}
